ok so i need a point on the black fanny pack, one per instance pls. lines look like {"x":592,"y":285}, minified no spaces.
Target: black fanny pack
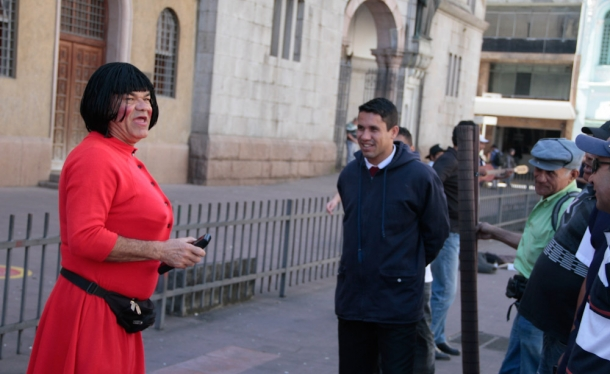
{"x":131,"y":314}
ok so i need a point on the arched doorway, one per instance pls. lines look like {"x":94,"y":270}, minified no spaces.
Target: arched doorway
{"x":371,"y":56}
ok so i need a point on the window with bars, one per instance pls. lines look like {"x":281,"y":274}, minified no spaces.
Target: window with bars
{"x":454,"y":70}
{"x":165,"y":54}
{"x":83,"y":18}
{"x":7,"y":37}
{"x":604,"y":54}
{"x":287,"y":31}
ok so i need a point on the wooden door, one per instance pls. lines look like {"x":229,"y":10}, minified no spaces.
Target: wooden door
{"x":76,"y":63}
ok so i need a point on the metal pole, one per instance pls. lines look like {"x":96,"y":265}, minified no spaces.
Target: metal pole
{"x":285,"y":249}
{"x":7,"y":279}
{"x":468,"y":147}
{"x":500,"y":204}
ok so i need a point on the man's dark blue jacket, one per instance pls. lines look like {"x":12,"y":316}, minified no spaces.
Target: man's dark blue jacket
{"x":395,"y":223}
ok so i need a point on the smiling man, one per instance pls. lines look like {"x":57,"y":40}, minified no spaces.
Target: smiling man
{"x":556,"y":163}
{"x":395,"y":223}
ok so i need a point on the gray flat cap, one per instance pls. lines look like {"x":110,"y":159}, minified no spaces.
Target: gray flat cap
{"x":553,"y":153}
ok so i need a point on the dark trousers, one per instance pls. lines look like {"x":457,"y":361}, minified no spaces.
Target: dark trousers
{"x":424,"y":349}
{"x":363,"y":346}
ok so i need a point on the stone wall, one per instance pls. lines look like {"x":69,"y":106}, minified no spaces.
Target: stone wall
{"x":237,"y":160}
{"x":25,"y":99}
{"x":265,"y":118}
{"x":457,"y":31}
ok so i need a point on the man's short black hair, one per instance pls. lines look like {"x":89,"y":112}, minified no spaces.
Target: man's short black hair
{"x":384,"y":107}
{"x":102,"y":97}
{"x":406,"y":134}
{"x":454,"y":134}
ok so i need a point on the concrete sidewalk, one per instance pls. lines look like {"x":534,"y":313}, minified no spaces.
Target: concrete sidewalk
{"x":298,"y":334}
{"x":295,"y":334}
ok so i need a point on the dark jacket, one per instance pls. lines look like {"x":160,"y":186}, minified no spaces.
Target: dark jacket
{"x":550,"y":297}
{"x":394,"y":225}
{"x":447,"y":169}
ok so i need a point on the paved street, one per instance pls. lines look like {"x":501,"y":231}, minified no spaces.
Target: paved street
{"x":295,"y":334}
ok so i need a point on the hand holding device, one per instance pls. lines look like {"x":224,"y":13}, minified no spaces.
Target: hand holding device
{"x":202,"y":242}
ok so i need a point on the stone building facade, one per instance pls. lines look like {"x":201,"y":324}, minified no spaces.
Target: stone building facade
{"x":50,"y":48}
{"x":451,"y":79}
{"x":425,"y":59}
{"x":250,"y":91}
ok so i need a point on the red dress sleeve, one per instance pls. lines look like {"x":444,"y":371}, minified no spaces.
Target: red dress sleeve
{"x":89,"y":190}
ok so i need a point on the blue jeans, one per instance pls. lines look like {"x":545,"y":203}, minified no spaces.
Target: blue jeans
{"x":444,"y":270}
{"x":552,"y":349}
{"x":524,"y":348}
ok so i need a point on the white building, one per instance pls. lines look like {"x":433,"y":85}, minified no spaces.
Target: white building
{"x":527,"y":74}
{"x":593,"y":60}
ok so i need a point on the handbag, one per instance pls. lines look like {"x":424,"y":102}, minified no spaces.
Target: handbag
{"x":514,"y":290}
{"x":516,"y":286}
{"x":131,"y":314}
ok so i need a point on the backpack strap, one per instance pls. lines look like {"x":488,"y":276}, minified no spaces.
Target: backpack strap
{"x":558,"y":205}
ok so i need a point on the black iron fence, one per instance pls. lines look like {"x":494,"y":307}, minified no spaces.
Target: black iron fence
{"x":508,"y":207}
{"x":256,"y":247}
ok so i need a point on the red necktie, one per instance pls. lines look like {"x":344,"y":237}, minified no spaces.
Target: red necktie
{"x":373,"y":170}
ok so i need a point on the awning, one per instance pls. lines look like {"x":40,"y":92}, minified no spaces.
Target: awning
{"x":524,"y":108}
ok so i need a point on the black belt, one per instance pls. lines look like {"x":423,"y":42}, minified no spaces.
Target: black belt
{"x":82,"y":283}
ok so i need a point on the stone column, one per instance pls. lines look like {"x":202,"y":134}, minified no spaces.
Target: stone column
{"x":416,"y":60}
{"x":388,"y":83}
{"x":483,"y":85}
{"x":199,"y":141}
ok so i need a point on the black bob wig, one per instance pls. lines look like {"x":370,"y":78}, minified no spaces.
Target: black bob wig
{"x":102,"y":98}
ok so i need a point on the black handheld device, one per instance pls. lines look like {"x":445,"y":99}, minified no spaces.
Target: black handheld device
{"x":202,"y":242}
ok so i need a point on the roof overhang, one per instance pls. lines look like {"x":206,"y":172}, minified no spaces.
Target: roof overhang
{"x":525,"y":108}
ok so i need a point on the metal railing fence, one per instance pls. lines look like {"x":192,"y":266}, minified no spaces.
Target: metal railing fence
{"x":256,"y":247}
{"x":508,"y":207}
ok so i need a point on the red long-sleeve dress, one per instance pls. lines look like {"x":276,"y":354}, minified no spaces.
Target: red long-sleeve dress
{"x":104,"y":191}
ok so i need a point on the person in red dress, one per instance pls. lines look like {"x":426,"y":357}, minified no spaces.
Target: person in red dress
{"x":115,"y":225}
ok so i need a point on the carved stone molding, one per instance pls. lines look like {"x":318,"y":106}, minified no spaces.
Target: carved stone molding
{"x":418,"y":56}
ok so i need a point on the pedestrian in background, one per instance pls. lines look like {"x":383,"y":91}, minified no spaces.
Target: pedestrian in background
{"x":350,"y":140}
{"x":435,"y":152}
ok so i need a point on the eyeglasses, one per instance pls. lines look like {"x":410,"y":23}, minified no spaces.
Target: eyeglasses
{"x":596,"y":164}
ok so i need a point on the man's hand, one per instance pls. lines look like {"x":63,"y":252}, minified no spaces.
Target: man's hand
{"x":488,"y":231}
{"x":484,"y":230}
{"x":332,"y":204}
{"x":181,"y":253}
